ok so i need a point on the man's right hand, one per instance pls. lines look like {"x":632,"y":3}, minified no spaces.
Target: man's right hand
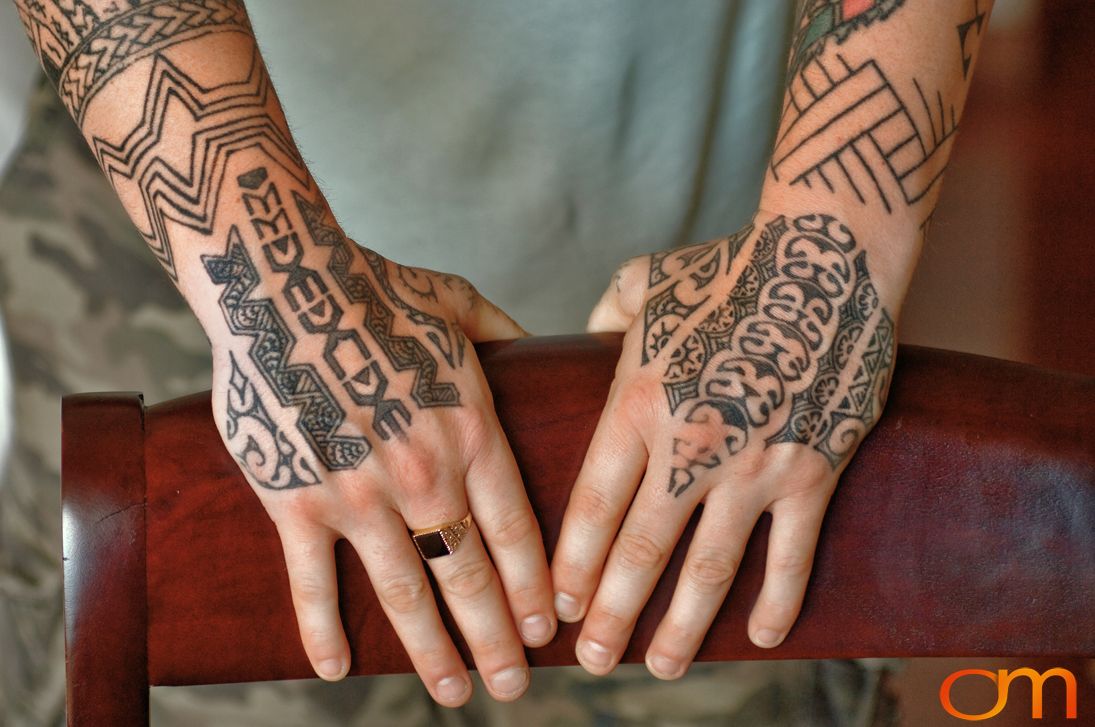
{"x":343,"y":383}
{"x":356,"y":408}
{"x":347,"y":389}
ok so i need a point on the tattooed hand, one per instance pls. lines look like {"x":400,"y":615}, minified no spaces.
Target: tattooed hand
{"x":752,"y":368}
{"x":343,"y":384}
{"x":350,"y":399}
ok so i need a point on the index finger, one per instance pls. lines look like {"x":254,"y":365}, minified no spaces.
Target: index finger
{"x":606,"y":484}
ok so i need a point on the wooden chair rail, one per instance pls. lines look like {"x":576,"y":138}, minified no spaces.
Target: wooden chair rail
{"x":965,"y":526}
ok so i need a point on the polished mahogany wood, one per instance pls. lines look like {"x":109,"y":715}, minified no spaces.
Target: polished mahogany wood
{"x":106,"y":609}
{"x":965,"y":525}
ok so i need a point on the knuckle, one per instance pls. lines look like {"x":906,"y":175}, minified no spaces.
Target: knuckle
{"x":605,"y":620}
{"x":301,"y":508}
{"x":634,"y":399}
{"x":711,"y":570}
{"x":793,"y":564}
{"x":469,"y":580}
{"x":435,"y":660}
{"x":318,"y":638}
{"x":677,"y":639}
{"x":639,"y":551}
{"x":477,"y":430}
{"x":404,"y":594}
{"x":311,"y":589}
{"x":494,"y":649}
{"x":593,"y":506}
{"x":513,"y":527}
{"x":416,"y":471}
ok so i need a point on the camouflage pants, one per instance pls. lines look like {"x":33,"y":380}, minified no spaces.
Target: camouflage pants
{"x":86,"y":309}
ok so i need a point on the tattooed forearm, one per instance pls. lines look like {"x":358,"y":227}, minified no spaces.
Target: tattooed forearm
{"x":82,"y":44}
{"x":823,"y":20}
{"x":180,"y":112}
{"x":258,"y":444}
{"x":799,"y":350}
{"x":876,"y":151}
{"x":865,"y":122}
{"x":222,"y":120}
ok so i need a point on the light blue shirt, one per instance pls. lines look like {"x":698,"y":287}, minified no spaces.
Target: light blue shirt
{"x":531,"y":145}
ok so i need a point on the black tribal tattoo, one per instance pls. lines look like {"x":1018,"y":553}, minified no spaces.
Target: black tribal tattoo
{"x":226,"y":119}
{"x":82,"y":44}
{"x":405,"y":353}
{"x":260,"y":447}
{"x":317,"y":309}
{"x":325,"y":325}
{"x":295,"y":385}
{"x":799,"y":351}
{"x":847,"y":129}
{"x":964,"y":29}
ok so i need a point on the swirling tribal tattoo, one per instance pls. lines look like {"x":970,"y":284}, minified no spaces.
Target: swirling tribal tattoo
{"x":799,"y":351}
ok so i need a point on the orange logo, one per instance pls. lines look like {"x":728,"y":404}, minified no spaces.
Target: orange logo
{"x":1003,"y":679}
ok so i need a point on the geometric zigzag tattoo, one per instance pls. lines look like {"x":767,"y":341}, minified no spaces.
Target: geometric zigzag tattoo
{"x":404,"y":353}
{"x":295,"y":385}
{"x":799,"y":351}
{"x":226,"y":119}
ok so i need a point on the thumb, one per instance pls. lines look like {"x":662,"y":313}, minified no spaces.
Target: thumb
{"x":622,"y":299}
{"x":482,"y":320}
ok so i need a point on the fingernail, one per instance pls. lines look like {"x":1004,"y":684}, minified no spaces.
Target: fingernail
{"x":767,"y":638}
{"x":451,"y":689}
{"x":593,"y":654}
{"x":535,"y":628}
{"x":566,"y":607}
{"x":509,"y":681}
{"x":663,"y":666}
{"x":330,"y":668}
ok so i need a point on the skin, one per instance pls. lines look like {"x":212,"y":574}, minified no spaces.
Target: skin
{"x":344,"y":384}
{"x":333,"y":454}
{"x":652,"y":463}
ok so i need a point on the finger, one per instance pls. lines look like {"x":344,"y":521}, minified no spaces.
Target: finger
{"x":636,"y":561}
{"x":792,"y":541}
{"x":474,"y":594}
{"x":469,"y":583}
{"x":484,"y":321}
{"x":399,"y":579}
{"x":512,"y":534}
{"x":604,"y":489}
{"x":607,"y":316}
{"x":622,"y":300}
{"x":708,"y":572}
{"x":310,"y":561}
